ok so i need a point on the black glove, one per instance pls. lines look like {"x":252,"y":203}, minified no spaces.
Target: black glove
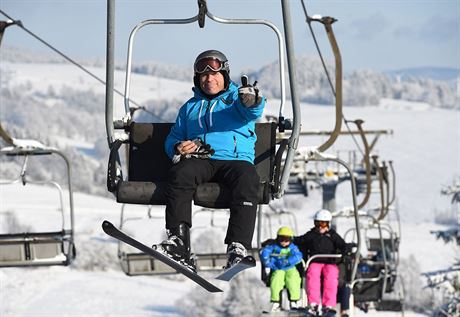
{"x":203,"y":151}
{"x":350,"y":248}
{"x":249,"y":94}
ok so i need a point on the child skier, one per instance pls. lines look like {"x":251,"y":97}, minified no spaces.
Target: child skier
{"x":321,"y":239}
{"x":282,"y":257}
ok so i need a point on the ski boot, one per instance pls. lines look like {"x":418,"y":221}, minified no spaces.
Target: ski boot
{"x":293,"y":305}
{"x":328,"y":312}
{"x":235,"y":253}
{"x":312,"y":310}
{"x":177,"y":246}
{"x":276,"y":307}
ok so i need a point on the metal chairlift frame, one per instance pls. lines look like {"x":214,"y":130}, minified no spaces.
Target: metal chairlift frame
{"x":39,"y":248}
{"x":388,"y":269}
{"x":318,"y":256}
{"x":135,"y":263}
{"x":115,"y":140}
{"x":269,"y":215}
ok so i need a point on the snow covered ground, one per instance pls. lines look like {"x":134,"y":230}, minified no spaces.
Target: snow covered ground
{"x":424,"y":147}
{"x":95,"y":286}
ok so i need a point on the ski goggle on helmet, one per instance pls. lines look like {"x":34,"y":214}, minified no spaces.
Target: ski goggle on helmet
{"x":211,"y":60}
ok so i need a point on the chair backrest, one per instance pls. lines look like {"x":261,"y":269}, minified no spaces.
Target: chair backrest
{"x":148,"y":167}
{"x":147,"y":160}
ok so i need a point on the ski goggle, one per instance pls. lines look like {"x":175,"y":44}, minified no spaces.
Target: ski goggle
{"x":209,"y":64}
{"x":322,"y":224}
{"x":284,"y":238}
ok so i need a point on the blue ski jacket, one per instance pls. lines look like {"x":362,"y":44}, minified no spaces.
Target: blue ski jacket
{"x":222,"y":122}
{"x":276,"y":257}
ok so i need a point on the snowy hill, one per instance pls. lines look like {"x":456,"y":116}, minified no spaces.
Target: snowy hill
{"x":361,"y":87}
{"x":435,"y":73}
{"x":59,"y":105}
{"x":39,"y":100}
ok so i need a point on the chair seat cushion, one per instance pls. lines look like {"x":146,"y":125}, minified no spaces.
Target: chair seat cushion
{"x":211,"y":195}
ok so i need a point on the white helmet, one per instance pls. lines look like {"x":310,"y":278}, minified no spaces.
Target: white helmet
{"x":323,"y":215}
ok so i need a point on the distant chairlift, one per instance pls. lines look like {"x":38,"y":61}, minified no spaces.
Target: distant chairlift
{"x":38,"y":248}
{"x":148,"y":164}
{"x":378,"y":284}
{"x":135,"y":263}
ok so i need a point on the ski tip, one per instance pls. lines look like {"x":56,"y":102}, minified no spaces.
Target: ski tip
{"x":249,"y":261}
{"x":106,"y":225}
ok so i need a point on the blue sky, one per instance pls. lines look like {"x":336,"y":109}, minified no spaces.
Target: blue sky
{"x":372,"y":34}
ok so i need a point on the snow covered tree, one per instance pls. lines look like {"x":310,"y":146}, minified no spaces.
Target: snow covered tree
{"x":446,"y":283}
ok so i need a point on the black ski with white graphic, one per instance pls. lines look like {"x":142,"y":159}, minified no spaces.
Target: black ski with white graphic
{"x":246,"y":263}
{"x":114,"y":232}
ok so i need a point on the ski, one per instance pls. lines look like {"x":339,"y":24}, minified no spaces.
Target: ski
{"x":246,"y":263}
{"x":114,"y":232}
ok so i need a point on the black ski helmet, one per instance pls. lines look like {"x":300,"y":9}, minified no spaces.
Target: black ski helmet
{"x":224,"y":70}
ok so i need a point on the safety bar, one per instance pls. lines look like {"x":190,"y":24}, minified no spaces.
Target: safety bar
{"x":315,"y":155}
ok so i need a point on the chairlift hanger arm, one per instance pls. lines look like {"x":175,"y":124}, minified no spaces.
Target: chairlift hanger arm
{"x":5,"y":136}
{"x":393,"y":178}
{"x":337,"y":92}
{"x":5,"y":24}
{"x":327,"y":21}
{"x":296,"y":126}
{"x":387,"y":187}
{"x":381,"y":187}
{"x":367,"y":163}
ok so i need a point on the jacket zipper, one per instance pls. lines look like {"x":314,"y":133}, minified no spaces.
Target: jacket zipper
{"x":205,"y":121}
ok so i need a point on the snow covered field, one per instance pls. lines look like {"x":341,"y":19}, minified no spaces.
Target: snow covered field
{"x":425,"y":151}
{"x":424,"y":146}
{"x":95,"y":286}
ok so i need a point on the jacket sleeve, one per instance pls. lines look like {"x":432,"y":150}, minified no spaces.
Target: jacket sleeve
{"x":178,"y":132}
{"x":339,"y":242}
{"x":266,"y":258}
{"x":300,"y":242}
{"x":295,"y":256}
{"x":249,"y":113}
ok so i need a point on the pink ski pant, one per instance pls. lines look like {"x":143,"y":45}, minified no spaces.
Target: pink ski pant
{"x":330,"y":278}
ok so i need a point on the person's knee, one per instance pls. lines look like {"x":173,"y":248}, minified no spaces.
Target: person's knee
{"x":183,"y":173}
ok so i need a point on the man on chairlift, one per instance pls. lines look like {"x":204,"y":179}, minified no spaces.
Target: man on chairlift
{"x":213,"y":139}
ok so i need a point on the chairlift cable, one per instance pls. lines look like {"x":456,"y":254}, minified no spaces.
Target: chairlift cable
{"x":70,"y":60}
{"x":308,"y":20}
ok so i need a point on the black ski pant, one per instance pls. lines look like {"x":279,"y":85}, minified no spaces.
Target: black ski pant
{"x":239,"y":176}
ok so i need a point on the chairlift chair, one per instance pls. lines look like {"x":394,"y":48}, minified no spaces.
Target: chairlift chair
{"x":148,"y":164}
{"x":377,"y":277}
{"x":39,"y":248}
{"x":266,"y":273}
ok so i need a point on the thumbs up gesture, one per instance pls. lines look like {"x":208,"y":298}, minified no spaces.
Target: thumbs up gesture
{"x":249,"y":94}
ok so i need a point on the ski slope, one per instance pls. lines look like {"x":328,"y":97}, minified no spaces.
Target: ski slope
{"x":424,"y":147}
{"x":94,"y":285}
